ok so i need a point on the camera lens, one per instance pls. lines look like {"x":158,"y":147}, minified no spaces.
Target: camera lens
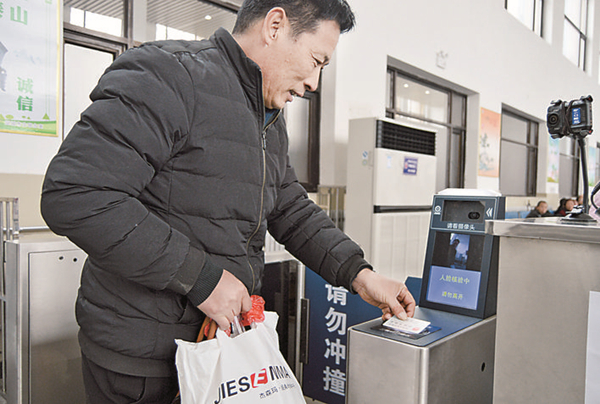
{"x":474,"y":215}
{"x":552,"y":119}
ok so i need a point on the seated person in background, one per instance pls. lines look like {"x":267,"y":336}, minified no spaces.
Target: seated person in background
{"x":561,"y":211}
{"x":580,"y":200}
{"x":540,"y":210}
{"x":566,"y":205}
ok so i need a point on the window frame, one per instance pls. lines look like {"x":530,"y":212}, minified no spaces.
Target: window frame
{"x":532,"y":150}
{"x":537,"y":23}
{"x":453,"y":128}
{"x":582,"y":34}
{"x":573,"y":154}
{"x":314,"y":139}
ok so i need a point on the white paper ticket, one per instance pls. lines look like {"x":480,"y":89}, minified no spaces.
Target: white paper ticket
{"x":411,"y":325}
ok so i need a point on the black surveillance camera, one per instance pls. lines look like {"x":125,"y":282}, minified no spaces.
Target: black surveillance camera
{"x":570,"y":118}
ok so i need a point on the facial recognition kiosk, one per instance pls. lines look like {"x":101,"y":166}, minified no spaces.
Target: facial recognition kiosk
{"x":452,"y":360}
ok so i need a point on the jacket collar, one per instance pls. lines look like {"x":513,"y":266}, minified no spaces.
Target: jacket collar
{"x":247,"y":70}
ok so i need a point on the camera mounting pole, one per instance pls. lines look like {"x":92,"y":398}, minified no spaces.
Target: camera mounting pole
{"x":581,"y":143}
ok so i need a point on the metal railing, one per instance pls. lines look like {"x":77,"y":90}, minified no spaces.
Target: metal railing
{"x":9,"y":227}
{"x":331,"y":200}
{"x":9,"y":218}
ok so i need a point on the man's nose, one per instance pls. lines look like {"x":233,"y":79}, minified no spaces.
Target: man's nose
{"x":312,"y":82}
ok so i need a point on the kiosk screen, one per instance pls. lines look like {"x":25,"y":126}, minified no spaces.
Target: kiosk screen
{"x":455,"y":273}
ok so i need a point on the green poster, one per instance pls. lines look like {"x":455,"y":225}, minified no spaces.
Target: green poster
{"x":591,"y":165}
{"x":29,"y":66}
{"x":553,"y":160}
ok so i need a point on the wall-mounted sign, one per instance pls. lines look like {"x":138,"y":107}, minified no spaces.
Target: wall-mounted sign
{"x":410,"y":165}
{"x":489,"y":143}
{"x":332,"y":311}
{"x":29,"y":66}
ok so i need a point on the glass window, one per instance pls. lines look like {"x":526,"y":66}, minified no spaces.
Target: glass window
{"x":459,"y":106}
{"x":514,"y":129}
{"x":575,"y":31}
{"x":576,"y":12}
{"x":302,"y":119}
{"x":297,"y":120}
{"x":529,"y":12}
{"x":105,"y":16}
{"x":513,"y":169}
{"x":537,"y":17}
{"x":518,"y":155}
{"x":390,"y":90}
{"x":573,"y":45}
{"x":445,"y":109}
{"x":164,"y":32}
{"x":456,"y":161}
{"x":420,"y":100}
{"x":568,"y":177}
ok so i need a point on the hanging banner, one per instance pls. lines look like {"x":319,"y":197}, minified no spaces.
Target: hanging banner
{"x":489,"y":143}
{"x":29,"y":66}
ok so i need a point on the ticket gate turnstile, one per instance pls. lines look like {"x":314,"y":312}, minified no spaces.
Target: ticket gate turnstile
{"x":452,"y":360}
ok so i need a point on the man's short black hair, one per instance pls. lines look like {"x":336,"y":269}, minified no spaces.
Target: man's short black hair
{"x":304,"y":15}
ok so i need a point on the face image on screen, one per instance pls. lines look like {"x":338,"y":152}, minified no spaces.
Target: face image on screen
{"x":455,"y":273}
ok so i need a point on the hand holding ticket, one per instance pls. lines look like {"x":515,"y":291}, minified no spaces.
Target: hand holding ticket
{"x":411,"y":325}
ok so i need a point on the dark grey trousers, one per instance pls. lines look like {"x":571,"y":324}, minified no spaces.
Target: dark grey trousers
{"x":103,"y":386}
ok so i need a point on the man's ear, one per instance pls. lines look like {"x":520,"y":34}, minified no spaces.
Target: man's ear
{"x":273,"y":24}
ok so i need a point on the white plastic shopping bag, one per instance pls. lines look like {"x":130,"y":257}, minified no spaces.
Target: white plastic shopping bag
{"x":247,"y":368}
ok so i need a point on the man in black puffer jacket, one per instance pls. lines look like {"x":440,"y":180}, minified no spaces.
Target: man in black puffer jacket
{"x":170,"y":181}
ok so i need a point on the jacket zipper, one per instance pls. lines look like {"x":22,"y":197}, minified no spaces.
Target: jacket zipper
{"x":262,"y":195}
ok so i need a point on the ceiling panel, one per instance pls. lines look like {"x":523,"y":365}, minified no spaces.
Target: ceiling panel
{"x":110,"y":8}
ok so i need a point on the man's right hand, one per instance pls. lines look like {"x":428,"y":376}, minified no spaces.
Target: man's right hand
{"x":227,"y":300}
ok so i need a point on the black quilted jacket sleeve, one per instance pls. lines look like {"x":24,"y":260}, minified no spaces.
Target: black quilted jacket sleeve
{"x":309,"y":234}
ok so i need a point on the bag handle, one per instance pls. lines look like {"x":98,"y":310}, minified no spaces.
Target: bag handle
{"x":207,"y":330}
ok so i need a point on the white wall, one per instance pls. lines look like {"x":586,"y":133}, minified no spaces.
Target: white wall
{"x":489,"y":52}
{"x":26,"y":154}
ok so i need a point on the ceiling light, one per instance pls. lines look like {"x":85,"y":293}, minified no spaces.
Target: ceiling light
{"x":208,"y":17}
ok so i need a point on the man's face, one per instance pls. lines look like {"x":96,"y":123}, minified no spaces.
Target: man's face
{"x":570,"y":204}
{"x":295,"y":63}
